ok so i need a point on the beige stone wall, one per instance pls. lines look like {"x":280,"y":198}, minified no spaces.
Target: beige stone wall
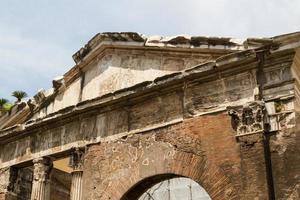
{"x":122,"y":69}
{"x":70,"y":96}
{"x":119,"y":69}
{"x":133,"y":115}
{"x":183,"y":113}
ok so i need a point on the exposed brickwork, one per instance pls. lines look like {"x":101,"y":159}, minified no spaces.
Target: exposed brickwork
{"x":145,"y":115}
{"x":202,"y":148}
{"x":254,"y":176}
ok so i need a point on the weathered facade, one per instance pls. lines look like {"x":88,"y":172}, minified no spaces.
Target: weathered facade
{"x":135,"y":111}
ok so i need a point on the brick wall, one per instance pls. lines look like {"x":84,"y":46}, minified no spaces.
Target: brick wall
{"x":203,"y":148}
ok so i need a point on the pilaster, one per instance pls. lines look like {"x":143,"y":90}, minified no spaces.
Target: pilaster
{"x":250,"y":122}
{"x":76,"y":162}
{"x":41,"y":179}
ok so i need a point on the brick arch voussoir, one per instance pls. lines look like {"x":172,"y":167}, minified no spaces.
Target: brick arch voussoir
{"x":206,"y":174}
{"x":183,"y":164}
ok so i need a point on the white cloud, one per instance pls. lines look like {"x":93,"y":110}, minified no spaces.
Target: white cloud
{"x":29,"y":64}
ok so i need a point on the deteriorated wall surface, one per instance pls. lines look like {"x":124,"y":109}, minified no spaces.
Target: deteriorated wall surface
{"x":197,"y":148}
{"x":143,"y":114}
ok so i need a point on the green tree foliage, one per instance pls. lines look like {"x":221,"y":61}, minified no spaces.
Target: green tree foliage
{"x":19,"y":95}
{"x":7,"y":107}
{"x":2,"y":102}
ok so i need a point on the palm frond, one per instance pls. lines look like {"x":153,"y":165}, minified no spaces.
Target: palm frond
{"x":2,"y":102}
{"x":19,"y":95}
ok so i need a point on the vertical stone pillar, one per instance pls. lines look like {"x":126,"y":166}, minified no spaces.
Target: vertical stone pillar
{"x":8,"y":178}
{"x":249,"y":121}
{"x":41,"y":179}
{"x":76,"y":162}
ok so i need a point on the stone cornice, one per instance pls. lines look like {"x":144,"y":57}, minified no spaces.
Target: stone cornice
{"x":223,"y":66}
{"x":185,"y":94}
{"x":179,"y":42}
{"x":227,"y":64}
{"x":196,"y":44}
{"x":138,"y":40}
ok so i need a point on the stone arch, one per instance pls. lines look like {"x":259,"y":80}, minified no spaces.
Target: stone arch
{"x":183,"y":164}
{"x":139,"y":188}
{"x":120,"y":166}
{"x":142,"y":188}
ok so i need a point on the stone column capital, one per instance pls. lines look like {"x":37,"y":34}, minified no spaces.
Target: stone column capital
{"x":76,"y":162}
{"x":42,"y":168}
{"x":248,"y":118}
{"x":77,"y":159}
{"x":41,"y":178}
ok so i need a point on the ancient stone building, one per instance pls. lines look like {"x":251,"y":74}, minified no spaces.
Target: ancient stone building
{"x":141,"y":117}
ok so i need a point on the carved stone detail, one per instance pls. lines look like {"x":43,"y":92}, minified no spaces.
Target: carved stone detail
{"x":42,"y":169}
{"x":76,"y":162}
{"x":248,"y":119}
{"x":77,"y":159}
{"x":58,"y":82}
{"x":41,"y":179}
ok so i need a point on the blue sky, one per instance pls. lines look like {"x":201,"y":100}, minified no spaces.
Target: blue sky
{"x":39,"y":37}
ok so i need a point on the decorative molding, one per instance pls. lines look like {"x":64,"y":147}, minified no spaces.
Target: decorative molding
{"x":77,"y":159}
{"x":249,"y":118}
{"x":42,"y":169}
